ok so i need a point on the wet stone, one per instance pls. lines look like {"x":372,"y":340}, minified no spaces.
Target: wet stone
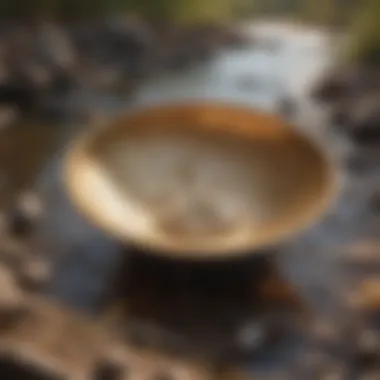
{"x":19,"y":223}
{"x":24,"y":215}
{"x":108,"y":371}
{"x":312,"y":365}
{"x":369,"y":294}
{"x":251,"y":336}
{"x":13,"y":306}
{"x":11,"y":319}
{"x":326,"y":336}
{"x":369,"y":341}
{"x":31,"y":205}
{"x":335,"y":372}
{"x":374,"y":202}
{"x":369,"y":375}
{"x":163,"y":376}
{"x":8,"y":117}
{"x":11,"y":297}
{"x":17,"y":370}
{"x":365,"y":359}
{"x":34,"y":274}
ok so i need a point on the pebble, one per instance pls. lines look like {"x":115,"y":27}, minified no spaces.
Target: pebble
{"x":311,"y":364}
{"x":108,"y":371}
{"x":336,"y":372}
{"x":8,"y":117}
{"x":34,"y":274}
{"x":22,"y":218}
{"x":163,"y":376}
{"x":11,"y":297}
{"x":19,"y":224}
{"x":369,"y":341}
{"x":369,"y":375}
{"x":251,"y":336}
{"x":30,"y":204}
{"x":368,"y":294}
{"x":325,"y":333}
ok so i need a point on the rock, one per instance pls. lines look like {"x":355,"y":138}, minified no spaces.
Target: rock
{"x":62,"y":82}
{"x":8,"y":117}
{"x":335,"y":372}
{"x":19,"y":96}
{"x":19,"y":225}
{"x":31,"y":205}
{"x":312,"y":365}
{"x":374,"y":203}
{"x":328,"y":90}
{"x":367,"y":297}
{"x":338,"y":84}
{"x":38,"y":75}
{"x":365,"y":121}
{"x":339,"y":117}
{"x":287,"y":107}
{"x":365,"y":360}
{"x":251,"y":336}
{"x":358,"y":117}
{"x":368,"y":342}
{"x":369,"y":375}
{"x":23,"y":216}
{"x":108,"y":371}
{"x":4,"y":71}
{"x":325,"y":333}
{"x":232,"y":38}
{"x":15,"y":369}
{"x":11,"y":297}
{"x":4,"y":183}
{"x":33,"y":274}
{"x":54,"y":47}
{"x":163,"y":376}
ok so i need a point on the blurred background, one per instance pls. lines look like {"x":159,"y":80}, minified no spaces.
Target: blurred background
{"x":69,"y":65}
{"x":62,"y":62}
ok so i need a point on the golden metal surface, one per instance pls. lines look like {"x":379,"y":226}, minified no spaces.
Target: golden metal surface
{"x":199,"y":181}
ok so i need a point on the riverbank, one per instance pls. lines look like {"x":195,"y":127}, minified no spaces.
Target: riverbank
{"x":352,"y":96}
{"x":43,"y":65}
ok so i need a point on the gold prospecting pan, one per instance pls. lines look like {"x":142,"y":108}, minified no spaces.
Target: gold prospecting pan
{"x":199,"y":181}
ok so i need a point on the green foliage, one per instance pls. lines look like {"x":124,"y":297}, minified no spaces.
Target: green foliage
{"x":170,"y":10}
{"x":203,"y":10}
{"x":318,"y":11}
{"x":365,"y":38}
{"x":321,"y":12}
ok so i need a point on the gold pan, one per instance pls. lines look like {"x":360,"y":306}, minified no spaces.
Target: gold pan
{"x":199,"y":181}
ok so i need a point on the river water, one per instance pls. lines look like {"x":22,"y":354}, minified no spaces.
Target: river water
{"x":253,"y":76}
{"x":256,"y":76}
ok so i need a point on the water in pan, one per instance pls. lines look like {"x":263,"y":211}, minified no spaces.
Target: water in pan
{"x":186,"y":187}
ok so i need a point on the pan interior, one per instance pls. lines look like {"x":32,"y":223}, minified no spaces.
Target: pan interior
{"x":198,"y":189}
